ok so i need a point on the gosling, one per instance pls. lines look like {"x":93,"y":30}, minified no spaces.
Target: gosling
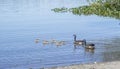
{"x":37,"y":40}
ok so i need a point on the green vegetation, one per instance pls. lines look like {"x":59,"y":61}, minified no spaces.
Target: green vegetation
{"x":107,"y":8}
{"x":60,"y":9}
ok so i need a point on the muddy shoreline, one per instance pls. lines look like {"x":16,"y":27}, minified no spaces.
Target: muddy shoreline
{"x":95,"y":65}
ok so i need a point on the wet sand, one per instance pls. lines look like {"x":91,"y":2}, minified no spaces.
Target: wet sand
{"x":95,"y":65}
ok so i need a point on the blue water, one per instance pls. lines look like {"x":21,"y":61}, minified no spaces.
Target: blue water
{"x":23,"y":21}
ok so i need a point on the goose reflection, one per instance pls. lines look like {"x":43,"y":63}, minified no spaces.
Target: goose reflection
{"x":89,"y":50}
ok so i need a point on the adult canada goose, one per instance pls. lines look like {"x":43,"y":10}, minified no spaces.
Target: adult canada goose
{"x":89,"y":46}
{"x":77,"y":42}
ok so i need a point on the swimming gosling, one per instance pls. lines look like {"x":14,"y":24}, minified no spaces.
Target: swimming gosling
{"x":45,"y":42}
{"x":37,"y":40}
{"x":53,"y":41}
{"x":60,"y":43}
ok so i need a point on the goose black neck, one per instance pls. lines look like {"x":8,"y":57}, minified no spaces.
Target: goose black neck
{"x":74,"y":37}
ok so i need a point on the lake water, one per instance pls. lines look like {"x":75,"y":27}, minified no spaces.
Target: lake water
{"x":23,"y":21}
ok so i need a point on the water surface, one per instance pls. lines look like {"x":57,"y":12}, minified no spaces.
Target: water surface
{"x":22,"y":21}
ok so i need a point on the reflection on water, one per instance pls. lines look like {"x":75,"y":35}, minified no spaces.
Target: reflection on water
{"x":90,"y":50}
{"x":25,"y":23}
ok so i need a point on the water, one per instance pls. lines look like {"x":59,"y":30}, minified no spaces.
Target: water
{"x":22,"y":21}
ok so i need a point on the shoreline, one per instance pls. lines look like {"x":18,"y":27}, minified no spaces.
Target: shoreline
{"x":95,"y":65}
